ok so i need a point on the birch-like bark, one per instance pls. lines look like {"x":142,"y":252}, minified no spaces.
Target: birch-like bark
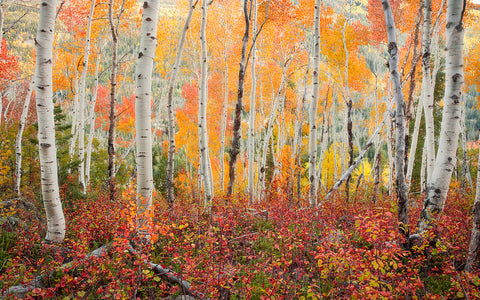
{"x":170,"y":105}
{"x":466,"y":177}
{"x":223,"y":129}
{"x":298,"y":134}
{"x":251,"y":121}
{"x":413,"y":146}
{"x":113,"y":101}
{"x":92,"y":121}
{"x":473,"y":257}
{"x":427,"y":90}
{"x":18,"y":143}
{"x":266,"y":139}
{"x":423,"y":169}
{"x":312,"y":140}
{"x":46,"y":123}
{"x":437,"y":188}
{"x":81,"y":110}
{"x":401,"y":188}
{"x":205,"y":165}
{"x":143,"y":113}
{"x":73,"y":130}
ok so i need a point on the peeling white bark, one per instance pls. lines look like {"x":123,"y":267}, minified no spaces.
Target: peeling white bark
{"x":205,"y":165}
{"x":143,"y":113}
{"x":18,"y":143}
{"x":445,"y":162}
{"x":312,"y":141}
{"x":46,"y":124}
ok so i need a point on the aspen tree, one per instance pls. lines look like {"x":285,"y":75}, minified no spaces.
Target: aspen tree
{"x":401,"y":186}
{"x":170,"y":106}
{"x":223,"y":126}
{"x":251,"y":121}
{"x":205,"y":165}
{"x":474,"y":247}
{"x":437,"y":187}
{"x":427,"y":90}
{"x":312,"y":141}
{"x":93,"y":103}
{"x":143,"y":112}
{"x":18,"y":143}
{"x":413,"y":144}
{"x":113,"y":100}
{"x":46,"y":123}
{"x":81,"y":107}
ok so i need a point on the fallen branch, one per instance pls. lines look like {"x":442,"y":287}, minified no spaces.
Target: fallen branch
{"x":21,"y":290}
{"x":169,"y":276}
{"x":362,"y":154}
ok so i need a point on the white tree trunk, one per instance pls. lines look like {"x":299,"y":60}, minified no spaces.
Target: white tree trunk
{"x":81,"y":111}
{"x":269,"y":130}
{"x":413,"y":145}
{"x":18,"y":144}
{"x":205,"y":165}
{"x":223,"y":130}
{"x":170,"y":105}
{"x":401,"y":186}
{"x":46,"y":124}
{"x":143,"y":113}
{"x":312,"y":140}
{"x":92,"y":119}
{"x":474,"y":248}
{"x":423,"y":169}
{"x":445,"y":163}
{"x":427,"y":89}
{"x":74,"y":131}
{"x":252,"y":117}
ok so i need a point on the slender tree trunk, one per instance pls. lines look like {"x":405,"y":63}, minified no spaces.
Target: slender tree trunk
{"x":349,"y":104}
{"x":92,"y":121}
{"x":74,"y":131}
{"x":360,"y":157}
{"x":390,"y":154}
{"x":413,"y":147}
{"x":297,"y":140}
{"x":423,"y":169}
{"x":18,"y":145}
{"x":113,"y":101}
{"x":312,"y":152}
{"x":170,"y":105}
{"x":223,"y":129}
{"x":269,"y":130}
{"x":235,"y":148}
{"x":437,"y":188}
{"x":401,"y":188}
{"x":81,"y":110}
{"x":408,"y":109}
{"x":251,"y":121}
{"x":474,"y":248}
{"x":427,"y":90}
{"x":143,"y":113}
{"x":466,"y":177}
{"x":46,"y":123}
{"x":205,"y":165}
{"x":376,"y":170}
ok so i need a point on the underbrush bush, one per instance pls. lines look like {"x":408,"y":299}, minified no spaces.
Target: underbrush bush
{"x":271,"y":250}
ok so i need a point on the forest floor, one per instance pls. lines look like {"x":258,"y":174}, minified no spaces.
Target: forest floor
{"x":279,"y":249}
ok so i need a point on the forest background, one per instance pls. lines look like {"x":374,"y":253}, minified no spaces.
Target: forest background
{"x":268,"y":224}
